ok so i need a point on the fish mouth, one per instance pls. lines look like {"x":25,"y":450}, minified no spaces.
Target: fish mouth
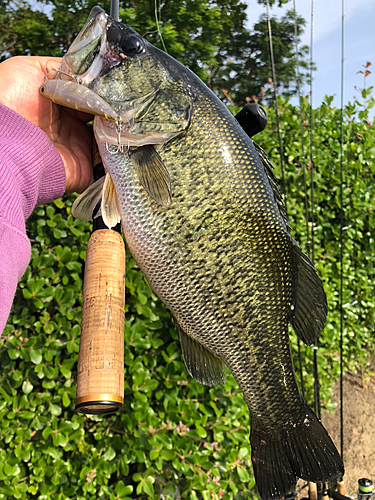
{"x":91,"y":53}
{"x":102,"y":44}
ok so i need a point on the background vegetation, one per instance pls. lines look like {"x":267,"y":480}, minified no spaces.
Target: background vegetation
{"x":175,"y":438}
{"x":209,"y":36}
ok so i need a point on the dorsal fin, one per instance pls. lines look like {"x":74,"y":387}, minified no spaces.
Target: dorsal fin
{"x":310,"y":301}
{"x":274,"y":183}
{"x":201,"y":364}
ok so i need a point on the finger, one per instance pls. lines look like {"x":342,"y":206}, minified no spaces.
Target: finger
{"x":46,"y":63}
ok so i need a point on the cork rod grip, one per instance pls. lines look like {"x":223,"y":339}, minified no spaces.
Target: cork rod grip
{"x":341,"y":487}
{"x":313,"y":491}
{"x":100,"y":378}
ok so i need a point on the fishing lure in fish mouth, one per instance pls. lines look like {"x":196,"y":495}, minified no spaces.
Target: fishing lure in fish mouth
{"x":203,"y":217}
{"x":74,"y":94}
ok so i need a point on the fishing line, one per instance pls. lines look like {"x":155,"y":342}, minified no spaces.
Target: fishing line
{"x":312,"y":133}
{"x":341,"y":236}
{"x":303,"y":162}
{"x":316,"y":373}
{"x":276,"y":105}
{"x":158,"y":26}
{"x":282,"y":157}
{"x":304,"y":176}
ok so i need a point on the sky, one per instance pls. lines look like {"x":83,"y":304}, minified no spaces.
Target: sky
{"x":359,"y":43}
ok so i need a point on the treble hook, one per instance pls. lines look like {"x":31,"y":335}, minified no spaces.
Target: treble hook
{"x":112,"y":152}
{"x":120,"y":147}
{"x":73,"y":77}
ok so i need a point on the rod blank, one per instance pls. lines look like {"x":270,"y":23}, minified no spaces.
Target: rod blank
{"x":114,"y":10}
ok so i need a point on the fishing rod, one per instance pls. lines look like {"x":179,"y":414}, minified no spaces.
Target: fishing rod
{"x":336,"y":491}
{"x":365,"y":490}
{"x":100,"y":373}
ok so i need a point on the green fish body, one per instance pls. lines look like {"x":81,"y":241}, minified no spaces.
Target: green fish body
{"x":202,"y":216}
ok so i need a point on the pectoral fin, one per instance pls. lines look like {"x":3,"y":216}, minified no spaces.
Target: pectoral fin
{"x":202,"y":365}
{"x":152,"y":174}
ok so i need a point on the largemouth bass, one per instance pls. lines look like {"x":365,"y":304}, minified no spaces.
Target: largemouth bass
{"x":203,"y":219}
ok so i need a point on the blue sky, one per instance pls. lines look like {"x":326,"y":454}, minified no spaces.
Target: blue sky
{"x":359,"y":43}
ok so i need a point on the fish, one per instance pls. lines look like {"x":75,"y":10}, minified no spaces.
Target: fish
{"x":203,"y":218}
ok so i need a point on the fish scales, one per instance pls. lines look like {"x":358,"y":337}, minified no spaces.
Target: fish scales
{"x":202,"y":217}
{"x":219,"y":254}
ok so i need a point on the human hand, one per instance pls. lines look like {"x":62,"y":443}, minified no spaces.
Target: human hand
{"x":20,"y":79}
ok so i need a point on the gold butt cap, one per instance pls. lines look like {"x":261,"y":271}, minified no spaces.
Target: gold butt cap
{"x":99,"y":404}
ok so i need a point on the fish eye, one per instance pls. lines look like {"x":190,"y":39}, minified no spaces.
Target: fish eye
{"x":132,"y":45}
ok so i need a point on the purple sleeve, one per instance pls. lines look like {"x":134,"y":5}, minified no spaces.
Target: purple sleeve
{"x":31,"y":173}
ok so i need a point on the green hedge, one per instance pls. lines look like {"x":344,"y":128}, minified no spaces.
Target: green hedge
{"x":175,"y":437}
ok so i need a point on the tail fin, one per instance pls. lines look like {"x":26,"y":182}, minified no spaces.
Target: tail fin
{"x":303,"y":450}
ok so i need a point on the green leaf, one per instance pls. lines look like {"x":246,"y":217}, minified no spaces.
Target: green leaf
{"x":122,"y":490}
{"x":201,"y":432}
{"x":13,"y":353}
{"x":27,"y":387}
{"x":109,"y":454}
{"x":55,"y":410}
{"x":243,"y":474}
{"x":148,"y":487}
{"x":154,"y":454}
{"x":36,"y":356}
{"x":59,"y":203}
{"x":66,"y":400}
{"x":11,"y":470}
{"x":167,"y":455}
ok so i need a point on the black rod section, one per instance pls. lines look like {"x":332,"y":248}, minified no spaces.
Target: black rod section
{"x":342,"y":239}
{"x":337,"y":496}
{"x":114,"y":11}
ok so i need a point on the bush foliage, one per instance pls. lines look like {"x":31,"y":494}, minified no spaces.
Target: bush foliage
{"x":176,"y":438}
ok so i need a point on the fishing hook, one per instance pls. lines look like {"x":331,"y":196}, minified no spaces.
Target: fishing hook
{"x":73,"y":77}
{"x":120,"y":147}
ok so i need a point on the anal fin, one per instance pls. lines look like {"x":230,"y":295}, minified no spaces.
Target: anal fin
{"x":201,"y":364}
{"x":310,"y":302}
